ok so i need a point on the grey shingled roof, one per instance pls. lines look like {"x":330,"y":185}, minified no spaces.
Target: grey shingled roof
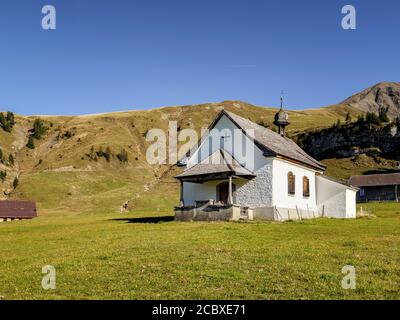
{"x":219,"y":162}
{"x":275,"y":143}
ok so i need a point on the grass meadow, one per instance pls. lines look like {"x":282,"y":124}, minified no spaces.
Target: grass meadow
{"x":147,"y":255}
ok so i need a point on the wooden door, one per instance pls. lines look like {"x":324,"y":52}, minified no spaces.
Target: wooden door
{"x":223,"y":192}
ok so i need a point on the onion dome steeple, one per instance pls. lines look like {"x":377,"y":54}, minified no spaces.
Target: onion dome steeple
{"x":281,"y":119}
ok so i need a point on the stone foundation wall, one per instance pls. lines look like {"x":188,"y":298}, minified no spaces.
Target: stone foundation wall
{"x":206,"y":213}
{"x":232,"y":213}
{"x":282,"y":214}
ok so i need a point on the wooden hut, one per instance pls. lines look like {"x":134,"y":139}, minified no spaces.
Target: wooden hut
{"x":17,"y":210}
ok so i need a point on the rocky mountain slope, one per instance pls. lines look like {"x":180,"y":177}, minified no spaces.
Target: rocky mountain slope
{"x":382,"y":95}
{"x":353,"y":139}
{"x":355,"y":148}
{"x":97,"y":163}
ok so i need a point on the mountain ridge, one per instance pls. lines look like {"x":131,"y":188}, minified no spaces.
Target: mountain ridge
{"x":386,"y":94}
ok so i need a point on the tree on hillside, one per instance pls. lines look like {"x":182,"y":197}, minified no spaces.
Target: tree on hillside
{"x":11,"y":159}
{"x":383,"y":114}
{"x":92,"y":155}
{"x":123,"y":156}
{"x":7,"y":122}
{"x":337,"y":125}
{"x":360,"y":119}
{"x":39,"y":128}
{"x":372,"y":118}
{"x":3,"y":175}
{"x":30,"y":144}
{"x":15,"y":183}
{"x":348,"y":117}
{"x":108,"y":154}
{"x":2,"y":120}
{"x":10,"y":118}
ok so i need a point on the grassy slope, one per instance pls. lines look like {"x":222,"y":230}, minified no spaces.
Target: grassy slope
{"x":346,"y":167}
{"x":100,"y":186}
{"x":118,"y":256}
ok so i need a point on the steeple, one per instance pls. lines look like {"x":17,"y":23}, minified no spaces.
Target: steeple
{"x":281,"y":119}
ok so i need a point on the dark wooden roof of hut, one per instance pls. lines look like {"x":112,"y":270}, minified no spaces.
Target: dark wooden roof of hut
{"x":387,"y":179}
{"x":18,"y":209}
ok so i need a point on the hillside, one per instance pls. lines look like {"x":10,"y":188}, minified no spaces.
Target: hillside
{"x":67,"y":172}
{"x":60,"y":176}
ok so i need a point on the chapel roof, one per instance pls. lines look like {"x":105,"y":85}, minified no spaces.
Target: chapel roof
{"x":274,"y":144}
{"x":339,"y":181}
{"x":271,"y":143}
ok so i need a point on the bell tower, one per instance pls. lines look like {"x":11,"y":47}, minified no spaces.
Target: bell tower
{"x":281,"y":119}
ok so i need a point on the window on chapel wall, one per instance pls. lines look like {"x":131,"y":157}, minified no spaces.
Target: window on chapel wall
{"x":306,"y":187}
{"x":291,"y":183}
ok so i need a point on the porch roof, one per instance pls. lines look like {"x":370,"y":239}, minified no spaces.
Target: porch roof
{"x":219,"y":165}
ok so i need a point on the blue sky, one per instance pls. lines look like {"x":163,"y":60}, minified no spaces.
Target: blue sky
{"x":119,"y":55}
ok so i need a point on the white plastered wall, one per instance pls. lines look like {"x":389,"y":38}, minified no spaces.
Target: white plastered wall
{"x":335,"y":200}
{"x":351,"y":208}
{"x":280,"y":196}
{"x":239,"y":145}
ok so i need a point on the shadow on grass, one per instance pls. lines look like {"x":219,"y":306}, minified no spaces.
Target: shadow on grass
{"x":146,"y":219}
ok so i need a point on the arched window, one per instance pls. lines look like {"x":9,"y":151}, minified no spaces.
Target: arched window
{"x":306,"y":187}
{"x":291,"y":183}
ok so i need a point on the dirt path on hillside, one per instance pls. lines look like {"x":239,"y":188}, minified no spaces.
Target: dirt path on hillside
{"x":20,"y":137}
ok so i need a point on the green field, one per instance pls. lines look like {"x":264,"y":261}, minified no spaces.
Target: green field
{"x":144,"y":255}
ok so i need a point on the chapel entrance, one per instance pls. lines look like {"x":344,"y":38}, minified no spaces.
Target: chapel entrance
{"x":223,"y":192}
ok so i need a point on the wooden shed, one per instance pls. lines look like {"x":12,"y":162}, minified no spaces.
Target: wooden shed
{"x":377,"y":187}
{"x":11,"y":210}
